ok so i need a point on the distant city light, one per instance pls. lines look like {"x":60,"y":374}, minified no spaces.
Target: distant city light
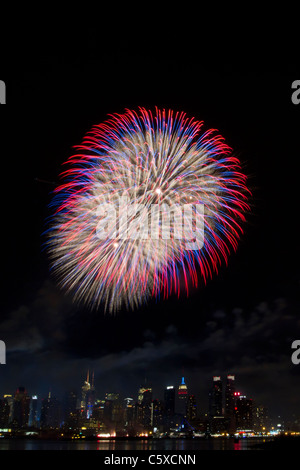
{"x":176,"y":415}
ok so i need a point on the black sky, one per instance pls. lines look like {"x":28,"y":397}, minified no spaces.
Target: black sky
{"x":244,"y":320}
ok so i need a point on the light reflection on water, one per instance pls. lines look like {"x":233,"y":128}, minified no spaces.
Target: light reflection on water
{"x":115,"y":445}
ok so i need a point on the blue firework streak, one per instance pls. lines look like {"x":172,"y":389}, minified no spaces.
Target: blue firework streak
{"x":158,"y":159}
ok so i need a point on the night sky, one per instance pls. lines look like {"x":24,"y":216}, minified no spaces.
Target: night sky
{"x":244,"y":320}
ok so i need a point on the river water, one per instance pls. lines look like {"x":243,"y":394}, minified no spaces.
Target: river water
{"x":131,"y":445}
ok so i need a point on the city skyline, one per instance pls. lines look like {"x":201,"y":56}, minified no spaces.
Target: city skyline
{"x":227,"y":411}
{"x":218,"y":400}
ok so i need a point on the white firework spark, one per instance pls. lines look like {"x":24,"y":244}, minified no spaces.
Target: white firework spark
{"x":153,"y":162}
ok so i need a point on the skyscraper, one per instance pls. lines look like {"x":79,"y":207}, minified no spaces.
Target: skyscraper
{"x":91,"y":398}
{"x":191,"y":413}
{"x":129,"y":412}
{"x":169,"y":406}
{"x":229,"y":395}
{"x":157,"y":415}
{"x":4,"y":413}
{"x":144,"y":407}
{"x":51,"y":413}
{"x":260,"y":418}
{"x":113,"y":410}
{"x":141,"y":394}
{"x":70,"y":410}
{"x":98,"y":410}
{"x":10,"y":401}
{"x":230,"y":403}
{"x":21,"y":407}
{"x":147,"y":409}
{"x":84,"y":390}
{"x":33,"y":415}
{"x":182,"y":395}
{"x":87,"y":396}
{"x":243,"y":412}
{"x":217,"y":397}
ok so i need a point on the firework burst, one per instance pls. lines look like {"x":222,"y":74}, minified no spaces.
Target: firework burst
{"x":121,"y":223}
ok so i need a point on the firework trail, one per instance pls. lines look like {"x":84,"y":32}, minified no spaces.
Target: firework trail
{"x":148,"y":159}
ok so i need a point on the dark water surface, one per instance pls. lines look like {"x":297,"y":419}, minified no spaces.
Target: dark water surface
{"x":136,"y":445}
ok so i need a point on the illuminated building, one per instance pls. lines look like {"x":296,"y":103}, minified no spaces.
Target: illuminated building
{"x":87,"y":397}
{"x":4,"y":413}
{"x":141,"y":394}
{"x":84,"y":391}
{"x":243,"y":412}
{"x":117,"y":414}
{"x":51,"y":413}
{"x":261,"y":420}
{"x":113,"y":411}
{"x":108,"y":406}
{"x":217,"y":397}
{"x":182,"y":395}
{"x":70,"y":410}
{"x":128,"y":402}
{"x":229,"y":395}
{"x":98,"y":410}
{"x":112,"y":396}
{"x":21,"y":407}
{"x":169,"y":397}
{"x":191,"y":413}
{"x":157,"y":415}
{"x":230,"y":402}
{"x":217,"y":421}
{"x":129,"y":412}
{"x":147,"y":409}
{"x":33,"y":413}
{"x":90,"y":398}
{"x":169,"y":407}
{"x":144,"y":407}
{"x":10,"y":401}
